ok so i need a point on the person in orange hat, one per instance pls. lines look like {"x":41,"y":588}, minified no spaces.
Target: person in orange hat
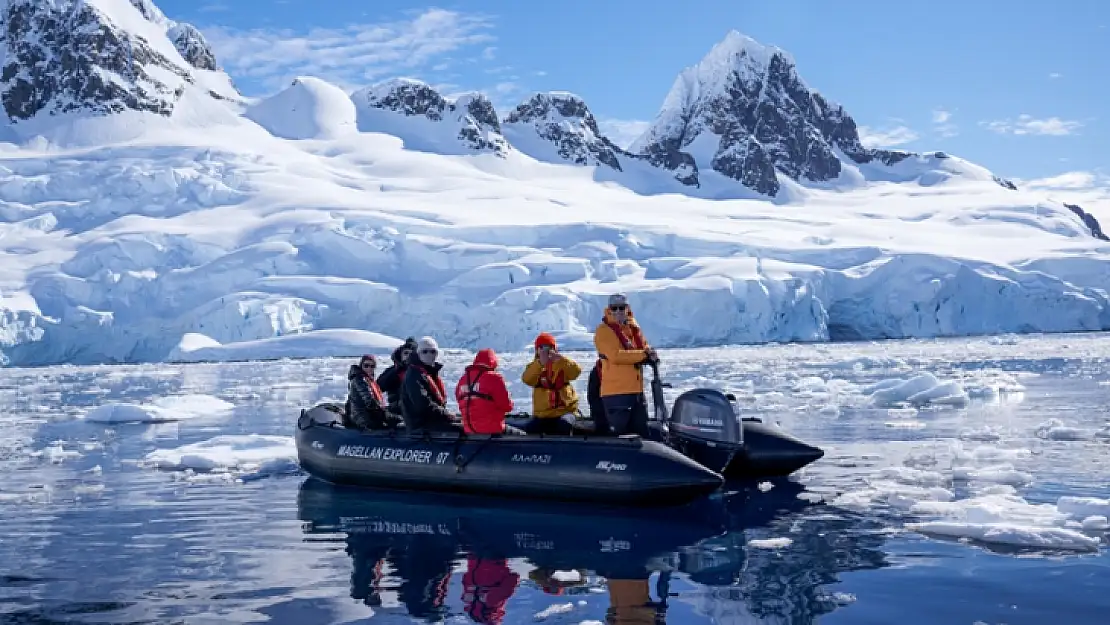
{"x":550,"y":375}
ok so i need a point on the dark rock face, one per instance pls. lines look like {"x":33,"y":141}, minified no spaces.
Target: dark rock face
{"x":479,"y":128}
{"x":409,"y":98}
{"x":63,"y":59}
{"x":566,"y":121}
{"x":1089,"y":220}
{"x":193,"y":47}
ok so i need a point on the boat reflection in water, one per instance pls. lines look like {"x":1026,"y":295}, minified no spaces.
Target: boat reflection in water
{"x":405,"y":548}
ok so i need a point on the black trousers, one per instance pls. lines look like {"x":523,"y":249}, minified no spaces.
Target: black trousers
{"x":627,"y":414}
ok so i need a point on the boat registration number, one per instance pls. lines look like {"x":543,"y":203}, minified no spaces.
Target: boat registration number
{"x":392,"y":454}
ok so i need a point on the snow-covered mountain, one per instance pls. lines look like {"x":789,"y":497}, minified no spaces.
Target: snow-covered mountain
{"x":561,"y":122}
{"x":745,"y":113}
{"x":147,"y":211}
{"x":66,"y":59}
{"x":426,"y":120}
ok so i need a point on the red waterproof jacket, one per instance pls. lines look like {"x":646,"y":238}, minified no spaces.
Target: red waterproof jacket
{"x":483,"y":396}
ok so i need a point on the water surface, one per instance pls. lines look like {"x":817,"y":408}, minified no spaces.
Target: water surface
{"x":89,"y":532}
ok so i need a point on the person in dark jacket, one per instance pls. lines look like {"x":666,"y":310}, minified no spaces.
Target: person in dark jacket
{"x":423,"y":395}
{"x":391,"y":379}
{"x":365,"y":408}
{"x":593,"y":398}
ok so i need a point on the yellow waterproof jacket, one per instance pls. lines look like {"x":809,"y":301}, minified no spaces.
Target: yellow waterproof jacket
{"x":620,"y":371}
{"x":552,"y":393}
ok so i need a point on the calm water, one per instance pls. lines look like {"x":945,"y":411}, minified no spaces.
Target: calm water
{"x":89,"y":533}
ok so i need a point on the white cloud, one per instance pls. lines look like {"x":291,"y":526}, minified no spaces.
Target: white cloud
{"x":489,"y":53}
{"x":622,"y":131}
{"x":1028,"y":125}
{"x":886,"y":137}
{"x":942,"y":124}
{"x":1055,"y":75}
{"x":354,"y":55}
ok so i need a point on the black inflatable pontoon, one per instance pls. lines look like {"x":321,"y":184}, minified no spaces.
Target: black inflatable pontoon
{"x":625,"y":470}
{"x":688,"y":454}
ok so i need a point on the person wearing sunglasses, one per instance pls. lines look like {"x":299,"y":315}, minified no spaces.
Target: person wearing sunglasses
{"x":365,"y":407}
{"x":390,"y":380}
{"x":623,"y":351}
{"x":550,"y":375}
{"x":423,"y":394}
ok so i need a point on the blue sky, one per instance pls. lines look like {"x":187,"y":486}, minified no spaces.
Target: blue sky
{"x":1021,"y":91}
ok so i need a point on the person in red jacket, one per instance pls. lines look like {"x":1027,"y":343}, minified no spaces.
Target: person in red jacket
{"x":483,"y":397}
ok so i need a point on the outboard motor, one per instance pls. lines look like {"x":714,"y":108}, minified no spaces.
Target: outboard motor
{"x":705,"y":426}
{"x":326,"y":414}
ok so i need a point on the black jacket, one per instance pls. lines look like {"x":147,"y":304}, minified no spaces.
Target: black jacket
{"x":593,"y":398}
{"x":420,"y":402}
{"x":363,"y":408}
{"x":390,"y":382}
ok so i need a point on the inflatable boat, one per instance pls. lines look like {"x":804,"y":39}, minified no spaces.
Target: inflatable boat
{"x":687,"y":455}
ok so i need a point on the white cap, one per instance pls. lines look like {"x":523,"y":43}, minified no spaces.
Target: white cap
{"x":427,"y":342}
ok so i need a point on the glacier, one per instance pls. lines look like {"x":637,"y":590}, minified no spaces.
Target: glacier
{"x":321,"y":223}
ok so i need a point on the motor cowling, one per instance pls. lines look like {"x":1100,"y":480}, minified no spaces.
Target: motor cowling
{"x":327,"y":414}
{"x":707,"y":416}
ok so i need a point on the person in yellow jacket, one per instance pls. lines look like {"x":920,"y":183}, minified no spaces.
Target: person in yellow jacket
{"x":550,"y":375}
{"x":623,"y":352}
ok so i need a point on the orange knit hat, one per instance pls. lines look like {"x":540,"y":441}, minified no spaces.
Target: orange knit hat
{"x":545,"y":339}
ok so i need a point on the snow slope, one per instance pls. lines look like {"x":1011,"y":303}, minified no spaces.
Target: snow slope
{"x":212,"y":231}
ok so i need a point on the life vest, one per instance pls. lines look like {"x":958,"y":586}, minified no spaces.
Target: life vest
{"x":553,"y":382}
{"x":436,"y":385}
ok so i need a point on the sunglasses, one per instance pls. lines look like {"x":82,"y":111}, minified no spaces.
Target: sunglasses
{"x":367,"y":365}
{"x":429,"y":352}
{"x":618,"y":308}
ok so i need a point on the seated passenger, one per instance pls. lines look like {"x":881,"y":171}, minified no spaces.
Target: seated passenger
{"x":365,"y":408}
{"x":483,"y":397}
{"x":423,"y":396}
{"x":593,"y":399}
{"x":553,"y":397}
{"x":390,"y":380}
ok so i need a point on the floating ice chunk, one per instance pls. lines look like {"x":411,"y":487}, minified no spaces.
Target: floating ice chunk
{"x":56,"y":453}
{"x":998,"y":474}
{"x":553,"y":610}
{"x":170,"y":408}
{"x":1010,"y":534}
{"x":770,"y":543}
{"x":1055,"y":430}
{"x":1096,"y":523}
{"x":920,"y":390}
{"x":250,"y":453}
{"x":566,"y":576}
{"x":1080,"y":507}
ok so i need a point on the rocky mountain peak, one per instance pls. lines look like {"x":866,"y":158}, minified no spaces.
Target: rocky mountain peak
{"x":744,"y":113}
{"x":564,"y":120}
{"x":100,"y":57}
{"x":471,"y":118}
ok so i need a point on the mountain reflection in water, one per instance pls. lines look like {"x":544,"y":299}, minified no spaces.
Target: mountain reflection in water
{"x":406,"y":547}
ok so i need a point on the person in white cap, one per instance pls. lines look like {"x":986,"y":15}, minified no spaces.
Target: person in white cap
{"x":423,"y":395}
{"x":623,"y":351}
